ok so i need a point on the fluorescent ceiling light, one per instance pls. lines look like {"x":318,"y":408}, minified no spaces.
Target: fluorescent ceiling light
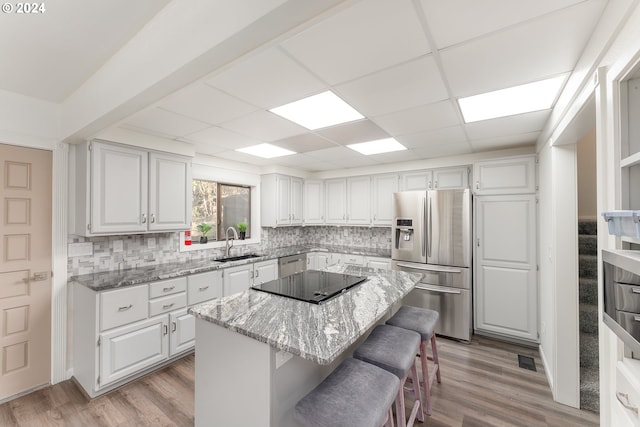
{"x":514,"y":100}
{"x":318,"y":111}
{"x":379,"y":146}
{"x":267,"y":151}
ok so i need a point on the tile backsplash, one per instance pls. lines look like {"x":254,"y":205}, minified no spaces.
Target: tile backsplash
{"x":112,"y":253}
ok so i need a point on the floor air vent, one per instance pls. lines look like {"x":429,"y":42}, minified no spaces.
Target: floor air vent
{"x":526,"y":362}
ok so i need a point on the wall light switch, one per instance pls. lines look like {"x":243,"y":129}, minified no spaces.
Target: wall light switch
{"x":151,"y":242}
{"x":118,"y":246}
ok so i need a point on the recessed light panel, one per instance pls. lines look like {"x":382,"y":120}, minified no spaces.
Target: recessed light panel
{"x":318,"y":111}
{"x":379,"y":146}
{"x":514,"y":100}
{"x":266,"y":151}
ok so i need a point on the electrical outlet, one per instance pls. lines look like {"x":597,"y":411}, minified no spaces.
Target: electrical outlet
{"x":151,"y":242}
{"x":118,"y":246}
{"x":345,"y":232}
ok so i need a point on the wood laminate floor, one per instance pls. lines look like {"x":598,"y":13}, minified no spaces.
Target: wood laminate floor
{"x":482,"y":385}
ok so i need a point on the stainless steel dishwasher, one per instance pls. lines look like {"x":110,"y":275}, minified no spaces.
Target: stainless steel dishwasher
{"x":292,"y":264}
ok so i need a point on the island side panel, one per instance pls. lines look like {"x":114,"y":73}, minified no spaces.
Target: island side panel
{"x":232,"y":378}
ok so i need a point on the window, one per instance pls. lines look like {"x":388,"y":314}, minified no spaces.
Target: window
{"x":216,"y":207}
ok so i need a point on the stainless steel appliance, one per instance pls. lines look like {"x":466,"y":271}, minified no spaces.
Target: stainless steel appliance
{"x":292,"y":264}
{"x":431,"y":234}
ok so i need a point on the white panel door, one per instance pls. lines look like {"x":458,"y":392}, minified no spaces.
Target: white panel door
{"x":336,"y":201}
{"x":313,"y":202}
{"x":25,"y":269}
{"x":265,"y":271}
{"x":183,"y":331}
{"x":283,"y":199}
{"x":296,"y":201}
{"x":127,"y":350}
{"x":420,"y":180}
{"x":170,"y":192}
{"x":515,"y":175}
{"x":506,"y":292}
{"x":451,"y":179}
{"x":237,"y":279}
{"x":382,"y":207}
{"x":359,"y":200}
{"x":119,"y":184}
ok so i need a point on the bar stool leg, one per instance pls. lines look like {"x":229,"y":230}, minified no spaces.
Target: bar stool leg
{"x":425,"y":377}
{"x":417,"y":396}
{"x":434,"y":352}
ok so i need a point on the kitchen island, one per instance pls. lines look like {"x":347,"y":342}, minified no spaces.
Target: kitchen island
{"x":257,"y":354}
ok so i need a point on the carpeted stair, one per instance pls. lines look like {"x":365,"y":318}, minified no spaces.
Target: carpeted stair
{"x":588,"y":298}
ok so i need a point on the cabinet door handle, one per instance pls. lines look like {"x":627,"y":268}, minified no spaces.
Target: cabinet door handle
{"x":257,"y":273}
{"x":125,"y":308}
{"x":623,"y":398}
{"x":165,"y":329}
{"x":169,"y":288}
{"x":153,"y":218}
{"x":173,"y":326}
{"x":144,"y":218}
{"x":477,"y":185}
{"x":204,"y":288}
{"x":165,"y":306}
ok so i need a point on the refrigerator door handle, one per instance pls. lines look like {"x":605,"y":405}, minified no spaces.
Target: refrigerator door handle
{"x":437,"y":289}
{"x":423,"y":244}
{"x":430,"y":229}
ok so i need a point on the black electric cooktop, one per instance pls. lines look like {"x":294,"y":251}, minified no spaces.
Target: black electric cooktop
{"x":311,"y":286}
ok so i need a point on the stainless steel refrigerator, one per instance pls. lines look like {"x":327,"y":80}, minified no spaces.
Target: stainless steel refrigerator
{"x":431,"y":234}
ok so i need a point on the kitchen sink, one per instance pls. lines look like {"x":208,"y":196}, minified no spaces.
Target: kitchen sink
{"x":237,"y":258}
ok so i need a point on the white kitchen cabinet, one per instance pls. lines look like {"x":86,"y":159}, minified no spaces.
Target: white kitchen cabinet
{"x":182,"y":331}
{"x":132,"y":348}
{"x":418,"y":180}
{"x":506,"y":290}
{"x":515,"y":175}
{"x":312,"y":261}
{"x":313,"y":196}
{"x":383,"y":187}
{"x":170,"y":192}
{"x":336,"y":201}
{"x":281,"y":200}
{"x":123,"y":190}
{"x":359,"y":200}
{"x":237,"y":279}
{"x":349,"y":259}
{"x":451,"y":178}
{"x":335,"y":259}
{"x":378,"y":263}
{"x":121,"y":334}
{"x":265,"y":271}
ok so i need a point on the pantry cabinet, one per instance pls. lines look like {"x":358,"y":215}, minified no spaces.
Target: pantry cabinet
{"x":281,"y":200}
{"x":123,"y":190}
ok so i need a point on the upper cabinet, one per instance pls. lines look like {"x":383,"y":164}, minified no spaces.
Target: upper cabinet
{"x":281,"y":197}
{"x":383,"y":187}
{"x":335,"y":201}
{"x":516,"y":175}
{"x":313,"y":197}
{"x":348,"y":200}
{"x":451,"y":178}
{"x":122,"y":189}
{"x":419,"y":180}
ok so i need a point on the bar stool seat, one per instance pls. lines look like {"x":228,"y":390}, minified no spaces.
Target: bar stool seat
{"x":355,"y":394}
{"x":422,"y":321}
{"x":394,"y":349}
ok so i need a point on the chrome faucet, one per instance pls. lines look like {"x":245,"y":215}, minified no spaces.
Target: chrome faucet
{"x":229,"y":246}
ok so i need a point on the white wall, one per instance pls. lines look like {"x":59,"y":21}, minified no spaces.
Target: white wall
{"x":587,"y":192}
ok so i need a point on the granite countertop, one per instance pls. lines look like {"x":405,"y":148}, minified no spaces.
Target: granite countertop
{"x":116,"y":279}
{"x":319,"y":333}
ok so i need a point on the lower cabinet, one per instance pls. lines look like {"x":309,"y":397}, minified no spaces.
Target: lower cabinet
{"x":242,"y":277}
{"x":378,"y":263}
{"x":182,"y":332}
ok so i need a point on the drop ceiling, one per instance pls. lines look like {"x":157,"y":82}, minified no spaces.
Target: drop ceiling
{"x":402,"y":64}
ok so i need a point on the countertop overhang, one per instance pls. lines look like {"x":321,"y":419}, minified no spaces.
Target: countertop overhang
{"x":319,"y":333}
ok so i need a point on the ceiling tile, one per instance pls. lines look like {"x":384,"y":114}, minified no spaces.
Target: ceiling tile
{"x":538,"y":49}
{"x":343,"y":157}
{"x":215,"y":136}
{"x":264,"y":126}
{"x":207,"y":104}
{"x":426,"y":117}
{"x":455,"y":21}
{"x":237,"y":156}
{"x":268,"y":79}
{"x":298,"y":161}
{"x":164,"y":122}
{"x":398,"y":88}
{"x":505,"y":141}
{"x":369,"y":36}
{"x":519,"y":124}
{"x":353,"y":132}
{"x":442,"y":150}
{"x":394,"y":157}
{"x":444,"y":136}
{"x":304,"y":143}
